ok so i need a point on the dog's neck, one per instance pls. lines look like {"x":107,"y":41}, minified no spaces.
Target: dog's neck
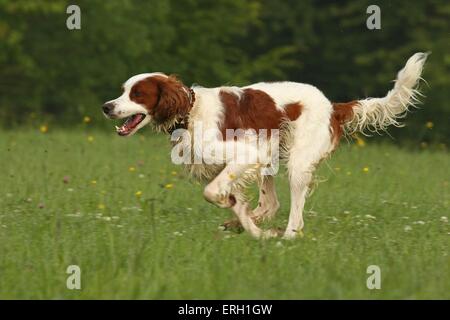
{"x":191,"y":96}
{"x":183,"y":122}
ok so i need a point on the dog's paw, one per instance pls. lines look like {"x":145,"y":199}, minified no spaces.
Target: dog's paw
{"x":232,"y":225}
{"x":291,"y":235}
{"x":220,"y":197}
{"x":235,"y":224}
{"x":272,"y":233}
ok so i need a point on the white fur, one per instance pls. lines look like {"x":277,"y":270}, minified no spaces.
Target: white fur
{"x":139,"y":77}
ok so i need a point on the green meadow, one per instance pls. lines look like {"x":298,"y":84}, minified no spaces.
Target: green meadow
{"x":139,"y":229}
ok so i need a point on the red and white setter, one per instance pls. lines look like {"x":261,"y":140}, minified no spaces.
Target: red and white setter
{"x":309,"y":128}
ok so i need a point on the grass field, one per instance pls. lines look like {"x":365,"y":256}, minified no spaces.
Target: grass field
{"x":139,"y":230}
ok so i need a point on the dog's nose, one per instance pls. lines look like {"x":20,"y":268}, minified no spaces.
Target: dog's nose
{"x":108,"y":107}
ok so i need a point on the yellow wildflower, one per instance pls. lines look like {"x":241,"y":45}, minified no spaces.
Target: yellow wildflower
{"x":138,"y":194}
{"x":359,"y":141}
{"x":86,"y":119}
{"x":90,"y":138}
{"x":44,"y":128}
{"x":94,"y":182}
{"x":168,"y":186}
{"x":429,"y":125}
{"x":366,"y":169}
{"x":101,"y":206}
{"x":132,"y":169}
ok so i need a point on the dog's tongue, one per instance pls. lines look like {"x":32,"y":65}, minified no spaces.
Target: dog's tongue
{"x":130,"y":124}
{"x":133,"y":121}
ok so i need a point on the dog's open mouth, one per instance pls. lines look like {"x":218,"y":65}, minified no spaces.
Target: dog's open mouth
{"x":130,"y":124}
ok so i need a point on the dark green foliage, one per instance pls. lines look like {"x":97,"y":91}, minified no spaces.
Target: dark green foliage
{"x":50,"y":72}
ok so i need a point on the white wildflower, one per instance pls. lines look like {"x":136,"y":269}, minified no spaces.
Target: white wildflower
{"x":74,"y":215}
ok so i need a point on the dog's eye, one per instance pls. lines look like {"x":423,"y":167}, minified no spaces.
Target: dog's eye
{"x":137,"y":94}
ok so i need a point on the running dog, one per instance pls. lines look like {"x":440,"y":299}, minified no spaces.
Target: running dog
{"x":309,"y":127}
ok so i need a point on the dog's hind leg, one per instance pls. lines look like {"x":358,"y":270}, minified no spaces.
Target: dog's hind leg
{"x":310,"y":144}
{"x":299,"y":181}
{"x":268,"y":204}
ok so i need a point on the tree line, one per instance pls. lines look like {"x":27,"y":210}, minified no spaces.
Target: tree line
{"x":50,"y":72}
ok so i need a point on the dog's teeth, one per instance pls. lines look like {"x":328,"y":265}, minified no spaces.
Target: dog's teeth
{"x":117,"y":128}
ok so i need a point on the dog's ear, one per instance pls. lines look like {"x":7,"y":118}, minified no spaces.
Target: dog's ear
{"x":173,"y":100}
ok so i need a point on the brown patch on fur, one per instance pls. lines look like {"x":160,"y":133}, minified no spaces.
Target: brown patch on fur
{"x":342,"y":113}
{"x":146,"y":92}
{"x":232,"y":199}
{"x":254,"y":109}
{"x":293,"y":111}
{"x":164,"y":97}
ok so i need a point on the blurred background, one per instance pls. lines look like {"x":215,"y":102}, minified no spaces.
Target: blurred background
{"x":53,"y":76}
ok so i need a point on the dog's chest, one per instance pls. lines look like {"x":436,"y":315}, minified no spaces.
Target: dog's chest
{"x":203,"y":172}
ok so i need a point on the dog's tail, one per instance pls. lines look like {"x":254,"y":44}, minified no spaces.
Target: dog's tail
{"x":376,"y":114}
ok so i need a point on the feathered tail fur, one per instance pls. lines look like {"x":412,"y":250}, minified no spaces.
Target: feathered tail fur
{"x":376,"y":114}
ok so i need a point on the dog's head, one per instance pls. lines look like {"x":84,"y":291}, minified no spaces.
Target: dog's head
{"x":149,"y":98}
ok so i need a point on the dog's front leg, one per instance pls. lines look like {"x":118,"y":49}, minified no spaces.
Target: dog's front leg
{"x":267,"y":204}
{"x":222,"y":191}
